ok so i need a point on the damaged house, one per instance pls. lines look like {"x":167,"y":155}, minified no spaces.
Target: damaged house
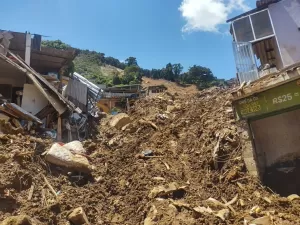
{"x":266,"y":39}
{"x":31,"y":83}
{"x":266,"y":44}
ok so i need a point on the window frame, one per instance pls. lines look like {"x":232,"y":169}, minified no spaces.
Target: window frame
{"x":253,"y":32}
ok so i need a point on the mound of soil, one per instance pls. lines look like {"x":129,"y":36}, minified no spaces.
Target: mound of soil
{"x":178,"y":161}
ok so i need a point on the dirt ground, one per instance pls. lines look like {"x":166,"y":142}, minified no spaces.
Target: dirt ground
{"x":195,"y":173}
{"x":172,"y":87}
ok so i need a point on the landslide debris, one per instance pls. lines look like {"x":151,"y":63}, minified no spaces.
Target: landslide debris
{"x":190,"y":170}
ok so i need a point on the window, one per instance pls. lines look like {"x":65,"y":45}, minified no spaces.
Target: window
{"x":254,"y":27}
{"x":262,"y":24}
{"x":243,"y":30}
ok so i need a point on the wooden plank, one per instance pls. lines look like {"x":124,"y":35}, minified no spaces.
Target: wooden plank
{"x":49,"y":186}
{"x":30,"y":192}
{"x":45,"y":111}
{"x":9,"y":112}
{"x":59,"y":129}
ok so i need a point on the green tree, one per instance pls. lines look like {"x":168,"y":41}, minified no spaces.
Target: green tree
{"x":155,"y":74}
{"x":131,"y":61}
{"x":168,"y":72}
{"x":132,"y":74}
{"x":177,"y":69}
{"x":201,"y":76}
{"x":58,"y":44}
{"x":116,"y":80}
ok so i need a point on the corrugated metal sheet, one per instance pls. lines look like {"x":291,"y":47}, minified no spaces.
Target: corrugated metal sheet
{"x":92,"y":88}
{"x":77,"y":93}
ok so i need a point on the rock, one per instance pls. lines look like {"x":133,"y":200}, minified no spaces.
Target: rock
{"x":18,"y":220}
{"x":265,"y":220}
{"x":292,"y":197}
{"x":113,"y":142}
{"x":120,"y":120}
{"x":203,"y":210}
{"x":4,"y":117}
{"x":255,"y":210}
{"x":16,"y":123}
{"x":151,"y":216}
{"x":7,"y":128}
{"x":78,"y":217}
{"x":170,"y":108}
{"x":165,"y":190}
{"x":4,"y":158}
{"x":75,"y":147}
{"x":223,"y":214}
{"x":61,"y":156}
{"x":177,"y":106}
{"x":129,"y":128}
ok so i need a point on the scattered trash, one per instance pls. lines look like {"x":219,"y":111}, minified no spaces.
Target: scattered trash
{"x":147,"y":152}
{"x":162,"y":116}
{"x":50,"y":134}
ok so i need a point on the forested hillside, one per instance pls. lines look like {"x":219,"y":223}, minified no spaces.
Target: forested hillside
{"x":109,"y":70}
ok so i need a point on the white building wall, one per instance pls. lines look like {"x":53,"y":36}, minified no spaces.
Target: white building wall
{"x":286,"y":20}
{"x":33,"y":100}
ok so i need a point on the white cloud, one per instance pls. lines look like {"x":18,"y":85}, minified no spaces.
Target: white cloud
{"x":208,"y":15}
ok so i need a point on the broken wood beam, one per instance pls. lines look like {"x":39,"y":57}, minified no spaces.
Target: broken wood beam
{"x":59,"y":129}
{"x":49,"y":186}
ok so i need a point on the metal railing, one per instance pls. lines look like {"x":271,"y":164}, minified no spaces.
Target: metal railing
{"x":245,"y":61}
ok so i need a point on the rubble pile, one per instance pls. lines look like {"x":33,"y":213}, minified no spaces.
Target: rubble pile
{"x":172,"y":159}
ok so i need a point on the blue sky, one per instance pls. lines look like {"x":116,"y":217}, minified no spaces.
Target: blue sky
{"x":156,"y":32}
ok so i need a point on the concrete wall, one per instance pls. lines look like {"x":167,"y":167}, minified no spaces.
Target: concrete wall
{"x":277,"y":137}
{"x":286,"y":20}
{"x":33,"y":100}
